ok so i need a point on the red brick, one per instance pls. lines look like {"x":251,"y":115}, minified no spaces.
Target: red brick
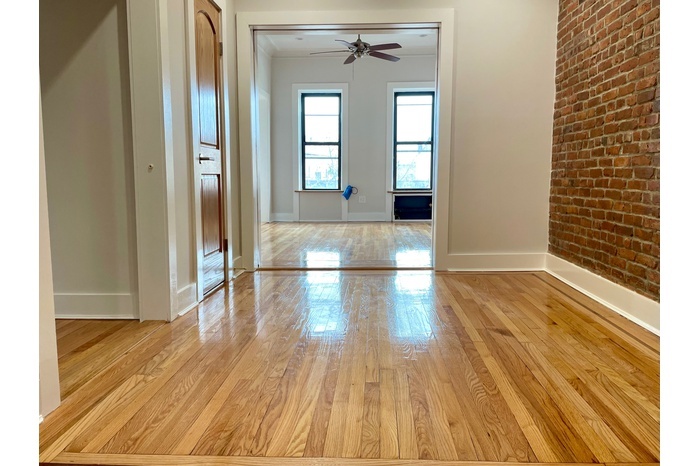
{"x":644,"y":96}
{"x":645,"y":83}
{"x":642,"y":160}
{"x":646,"y":261}
{"x":604,"y":200}
{"x":644,"y":172}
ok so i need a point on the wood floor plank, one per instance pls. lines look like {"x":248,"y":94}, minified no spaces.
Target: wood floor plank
{"x":450,"y":432}
{"x":427,"y":448}
{"x":70,"y":325}
{"x":629,"y":328}
{"x":181,"y":460}
{"x":359,"y":367}
{"x":335,"y":434}
{"x":405,"y":421}
{"x":316,"y":438}
{"x":371,"y":422}
{"x":160,"y":364}
{"x":499,"y":436}
{"x":582,"y":417}
{"x":333,"y":245}
{"x":218,"y":426}
{"x":591,"y":348}
{"x":354,"y":411}
{"x":388,"y":421}
{"x":78,"y":367}
{"x":93,"y":330}
{"x":293,"y":427}
{"x":258,"y":359}
{"x":151,"y":353}
{"x":601,"y":400}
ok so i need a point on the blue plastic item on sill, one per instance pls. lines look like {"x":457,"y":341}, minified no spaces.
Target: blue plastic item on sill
{"x":348,"y":192}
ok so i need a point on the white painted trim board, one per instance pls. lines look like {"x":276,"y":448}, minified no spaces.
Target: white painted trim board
{"x":495,"y":262}
{"x":95,"y":306}
{"x":186,"y":298}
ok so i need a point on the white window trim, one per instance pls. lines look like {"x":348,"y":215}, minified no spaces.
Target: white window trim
{"x":310,"y":88}
{"x":391,"y":89}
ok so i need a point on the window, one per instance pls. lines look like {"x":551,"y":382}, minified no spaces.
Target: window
{"x":320,"y":141}
{"x":413,"y":140}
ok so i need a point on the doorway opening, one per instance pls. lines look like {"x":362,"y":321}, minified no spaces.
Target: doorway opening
{"x":345,"y":155}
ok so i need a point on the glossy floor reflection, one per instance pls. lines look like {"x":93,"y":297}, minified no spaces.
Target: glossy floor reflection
{"x":346,"y":245}
{"x":345,"y":364}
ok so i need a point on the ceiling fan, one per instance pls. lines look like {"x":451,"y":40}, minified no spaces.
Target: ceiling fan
{"x":359,"y":49}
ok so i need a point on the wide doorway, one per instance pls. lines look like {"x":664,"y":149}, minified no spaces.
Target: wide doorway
{"x":345,"y":147}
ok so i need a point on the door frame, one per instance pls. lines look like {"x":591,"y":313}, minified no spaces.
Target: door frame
{"x":248,"y":22}
{"x":193,"y":117}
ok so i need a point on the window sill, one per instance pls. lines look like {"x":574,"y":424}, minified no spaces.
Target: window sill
{"x":411,"y":191}
{"x":318,"y":190}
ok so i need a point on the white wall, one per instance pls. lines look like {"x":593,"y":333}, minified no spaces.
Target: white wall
{"x":504,"y":98}
{"x":502,"y":101}
{"x":89,"y":161}
{"x":366,"y":139}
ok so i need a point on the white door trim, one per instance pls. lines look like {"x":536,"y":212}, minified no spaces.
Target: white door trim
{"x":247,"y":22}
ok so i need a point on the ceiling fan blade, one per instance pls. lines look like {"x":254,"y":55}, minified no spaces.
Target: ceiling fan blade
{"x":330,"y":51}
{"x":349,"y":44}
{"x":349,"y":60}
{"x":393,"y":45}
{"x":383,"y":56}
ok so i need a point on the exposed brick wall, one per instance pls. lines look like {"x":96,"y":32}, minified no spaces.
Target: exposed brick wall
{"x":604,"y":198}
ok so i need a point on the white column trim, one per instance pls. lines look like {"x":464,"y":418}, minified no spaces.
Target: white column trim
{"x":153,"y":165}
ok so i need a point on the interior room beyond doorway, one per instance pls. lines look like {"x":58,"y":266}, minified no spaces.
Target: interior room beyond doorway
{"x":326,"y":123}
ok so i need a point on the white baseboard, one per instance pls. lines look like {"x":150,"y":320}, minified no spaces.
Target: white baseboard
{"x":281,"y":217}
{"x":95,"y":306}
{"x":368,"y":217}
{"x":494,"y":262}
{"x":186,"y":298}
{"x":237,"y":268}
{"x":41,"y":418}
{"x":352,"y":217}
{"x":635,"y":307}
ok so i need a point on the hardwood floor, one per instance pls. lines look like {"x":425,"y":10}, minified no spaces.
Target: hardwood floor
{"x":366,"y":368}
{"x":346,"y":245}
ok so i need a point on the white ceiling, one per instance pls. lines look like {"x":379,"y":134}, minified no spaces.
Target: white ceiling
{"x":301,"y":43}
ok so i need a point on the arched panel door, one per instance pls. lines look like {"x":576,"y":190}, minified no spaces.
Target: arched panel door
{"x":208,"y":62}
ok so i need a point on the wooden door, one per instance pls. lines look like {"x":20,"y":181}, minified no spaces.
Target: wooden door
{"x":208,"y":62}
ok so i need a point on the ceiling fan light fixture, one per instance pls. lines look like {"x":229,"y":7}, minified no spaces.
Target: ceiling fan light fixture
{"x":359,"y":49}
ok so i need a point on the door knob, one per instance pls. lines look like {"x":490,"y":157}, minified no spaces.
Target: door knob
{"x":203,"y":158}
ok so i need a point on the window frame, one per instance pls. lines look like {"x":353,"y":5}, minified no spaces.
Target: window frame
{"x":303,"y":143}
{"x":396,"y":143}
